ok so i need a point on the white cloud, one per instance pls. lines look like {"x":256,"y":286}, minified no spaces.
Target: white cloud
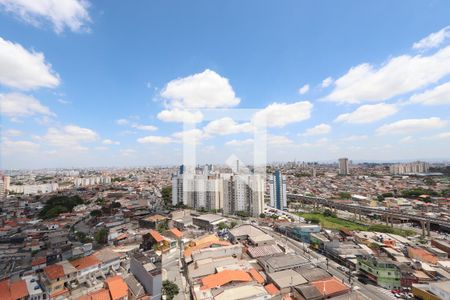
{"x":436,"y":96}
{"x":398,"y":76}
{"x":318,"y":130}
{"x":155,"y":139}
{"x":411,"y":125}
{"x":353,"y":138}
{"x":270,"y":140}
{"x":281,"y":114}
{"x":304,"y":89}
{"x":203,"y":90}
{"x":110,"y":142}
{"x":278,"y":140}
{"x":180,"y":116}
{"x":16,"y":105}
{"x":226,"y":126}
{"x":122,"y":122}
{"x":440,"y":136}
{"x":22,"y":69}
{"x":327,"y":82}
{"x":145,"y":127}
{"x":192,"y":135}
{"x":368,"y":113}
{"x":433,"y":40}
{"x":62,"y":101}
{"x":127,"y":152}
{"x":12,"y":132}
{"x":72,"y":14}
{"x":69,"y":136}
{"x":407,"y":139}
{"x":12,"y":147}
{"x":239,"y":142}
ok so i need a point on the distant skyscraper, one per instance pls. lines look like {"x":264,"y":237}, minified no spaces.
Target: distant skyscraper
{"x":277,"y":184}
{"x":343,"y":166}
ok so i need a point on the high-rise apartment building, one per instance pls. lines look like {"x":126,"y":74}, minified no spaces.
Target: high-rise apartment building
{"x":277,"y":183}
{"x":344,"y":166}
{"x":410,"y":168}
{"x":213,"y":191}
{"x":4,"y":185}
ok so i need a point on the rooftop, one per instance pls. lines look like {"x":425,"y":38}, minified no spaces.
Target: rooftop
{"x":224,"y":277}
{"x":117,"y":287}
{"x":286,"y":278}
{"x":85,"y":262}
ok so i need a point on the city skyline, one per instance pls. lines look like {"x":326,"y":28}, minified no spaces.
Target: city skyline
{"x":99,"y":85}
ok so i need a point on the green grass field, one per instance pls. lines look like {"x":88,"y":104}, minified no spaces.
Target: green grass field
{"x":337,"y":224}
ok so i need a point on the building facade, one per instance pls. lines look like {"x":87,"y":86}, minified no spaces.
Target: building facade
{"x":277,"y":183}
{"x":344,"y":166}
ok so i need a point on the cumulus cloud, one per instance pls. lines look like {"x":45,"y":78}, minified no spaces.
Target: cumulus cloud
{"x":399,"y":75}
{"x":225,"y":126}
{"x":122,"y":122}
{"x":180,"y":116}
{"x":22,"y":69}
{"x":145,"y":127}
{"x":110,"y":142}
{"x":326,"y":82}
{"x":318,"y":130}
{"x":155,"y":139}
{"x":411,"y":125}
{"x":203,"y":90}
{"x":70,"y":136}
{"x":12,"y":147}
{"x":304,"y":89}
{"x":239,"y":142}
{"x":62,"y":14}
{"x":433,"y":40}
{"x":353,"y":138}
{"x":282,"y":114}
{"x":368,"y":113}
{"x":16,"y":105}
{"x":192,"y":135}
{"x":435,"y":96}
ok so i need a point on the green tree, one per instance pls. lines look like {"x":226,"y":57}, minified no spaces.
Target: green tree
{"x":96,"y":213}
{"x":166,"y":193}
{"x":328,"y":213}
{"x":222,"y":226}
{"x":233,"y":224}
{"x":262,"y":215}
{"x":101,"y":236}
{"x":169,"y":289}
{"x":345,"y":195}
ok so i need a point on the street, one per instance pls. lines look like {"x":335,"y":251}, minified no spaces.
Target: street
{"x":171,"y":266}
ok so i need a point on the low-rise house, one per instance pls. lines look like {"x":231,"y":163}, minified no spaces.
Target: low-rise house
{"x":118,"y":289}
{"x":208,"y":222}
{"x":279,"y":263}
{"x":148,"y":272}
{"x":285,"y":279}
{"x":13,"y":290}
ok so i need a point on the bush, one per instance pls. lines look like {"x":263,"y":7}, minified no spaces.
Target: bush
{"x":101,"y":236}
{"x":170,"y":289}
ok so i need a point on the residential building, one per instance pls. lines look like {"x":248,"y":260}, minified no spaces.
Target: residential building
{"x":148,"y":272}
{"x":277,"y":184}
{"x":344,"y":166}
{"x":383,"y":272}
{"x":409,"y":168}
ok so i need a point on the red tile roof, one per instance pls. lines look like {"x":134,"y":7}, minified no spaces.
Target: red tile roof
{"x":85,"y":262}
{"x":117,"y":287}
{"x":5,"y":293}
{"x":257,"y":276}
{"x":272,"y":289}
{"x":331,"y":286}
{"x":156,"y":236}
{"x":224,"y":277}
{"x":18,"y":289}
{"x":54,"y":271}
{"x":39,"y":261}
{"x":176,"y":232}
{"x":102,"y":294}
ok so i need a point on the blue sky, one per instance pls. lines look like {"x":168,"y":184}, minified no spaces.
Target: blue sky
{"x":86,"y":83}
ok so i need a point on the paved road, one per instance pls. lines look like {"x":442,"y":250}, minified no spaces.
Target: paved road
{"x":365,"y":291}
{"x":171,"y":271}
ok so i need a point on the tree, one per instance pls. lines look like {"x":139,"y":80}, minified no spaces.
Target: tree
{"x":170,"y":289}
{"x":345,"y":195}
{"x":96,"y":213}
{"x":262,"y":215}
{"x":166,"y":193}
{"x":101,"y":236}
{"x":233,"y":224}
{"x":116,"y":205}
{"x":222,"y":226}
{"x":328,"y":213}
